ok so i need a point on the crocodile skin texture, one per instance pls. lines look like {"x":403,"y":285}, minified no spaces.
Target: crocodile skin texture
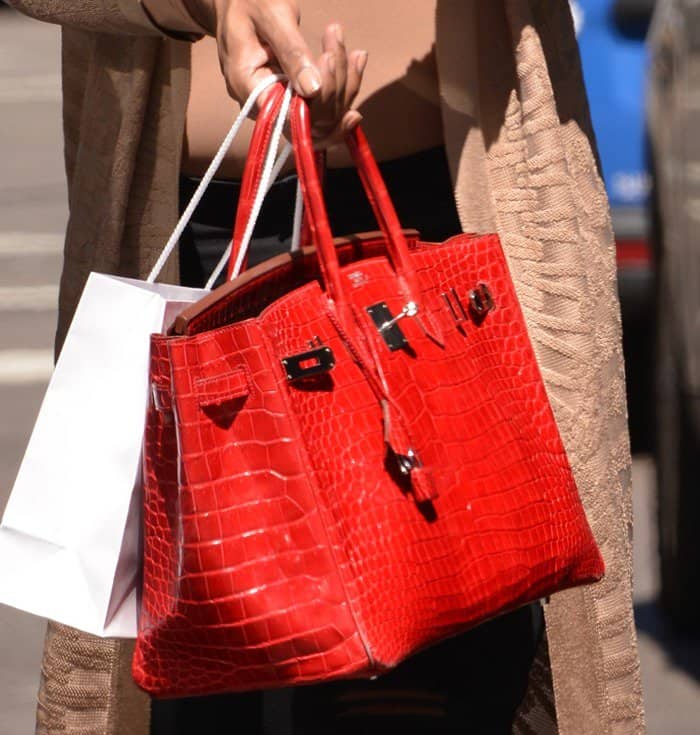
{"x":283,"y":545}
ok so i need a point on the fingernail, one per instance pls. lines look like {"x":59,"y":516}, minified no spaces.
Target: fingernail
{"x":361,"y":61}
{"x":352,"y":120}
{"x":338,"y":29}
{"x":308,"y":81}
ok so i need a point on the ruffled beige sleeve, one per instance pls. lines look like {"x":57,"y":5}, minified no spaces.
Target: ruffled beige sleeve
{"x":125,"y":17}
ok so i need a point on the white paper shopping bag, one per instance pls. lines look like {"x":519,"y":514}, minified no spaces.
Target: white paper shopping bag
{"x":68,"y":543}
{"x":69,"y":538}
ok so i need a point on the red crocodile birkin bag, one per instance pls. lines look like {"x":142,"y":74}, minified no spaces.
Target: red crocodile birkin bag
{"x":349,"y":456}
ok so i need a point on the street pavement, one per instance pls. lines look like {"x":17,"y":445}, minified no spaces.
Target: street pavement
{"x":32,"y":219}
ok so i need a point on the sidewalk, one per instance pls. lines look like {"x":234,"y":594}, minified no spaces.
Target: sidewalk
{"x":32,"y":219}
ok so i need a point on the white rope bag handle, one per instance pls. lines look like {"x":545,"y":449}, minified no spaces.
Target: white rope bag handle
{"x":270,"y":173}
{"x":271,"y":169}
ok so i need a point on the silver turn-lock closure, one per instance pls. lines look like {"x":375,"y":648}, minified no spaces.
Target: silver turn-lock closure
{"x":388,"y":325}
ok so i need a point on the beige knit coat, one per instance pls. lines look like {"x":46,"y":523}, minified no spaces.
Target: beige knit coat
{"x":523,"y":160}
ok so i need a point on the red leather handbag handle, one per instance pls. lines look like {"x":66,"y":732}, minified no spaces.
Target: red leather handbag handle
{"x":318,"y":217}
{"x":309,"y":167}
{"x":252,"y":172}
{"x":253,"y":167}
{"x":382,"y":206}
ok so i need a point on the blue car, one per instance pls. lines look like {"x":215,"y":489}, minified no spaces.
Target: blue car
{"x":614,"y":55}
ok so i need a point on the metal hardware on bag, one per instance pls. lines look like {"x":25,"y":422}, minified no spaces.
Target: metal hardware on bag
{"x":407,"y":462}
{"x":157,"y":392}
{"x":306,"y":364}
{"x":460,"y":316}
{"x":411,"y":309}
{"x":155,"y":399}
{"x":387,"y":324}
{"x":315,"y":342}
{"x":480,"y":300}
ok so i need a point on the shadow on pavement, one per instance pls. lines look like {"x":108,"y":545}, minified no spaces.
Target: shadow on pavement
{"x":682,"y":651}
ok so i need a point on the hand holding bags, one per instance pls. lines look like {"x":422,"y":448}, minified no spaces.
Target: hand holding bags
{"x":337,"y":477}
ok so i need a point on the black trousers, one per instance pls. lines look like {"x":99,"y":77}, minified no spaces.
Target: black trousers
{"x":470,"y":684}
